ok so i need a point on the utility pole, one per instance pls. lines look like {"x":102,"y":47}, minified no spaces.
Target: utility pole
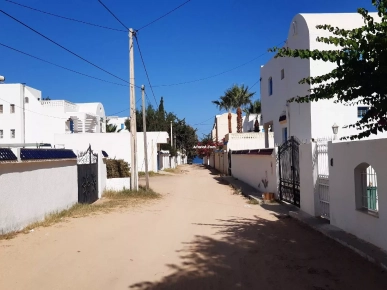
{"x":145,"y":141}
{"x":133,"y":125}
{"x":171,"y":137}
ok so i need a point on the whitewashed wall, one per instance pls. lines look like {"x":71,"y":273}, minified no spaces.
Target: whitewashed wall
{"x":346,"y":156}
{"x":250,"y":140}
{"x":309,"y":198}
{"x":31,"y":190}
{"x":117,"y":145}
{"x":118,"y":184}
{"x":252,"y":168}
{"x":102,"y":174}
{"x":164,"y":161}
{"x":211,"y":160}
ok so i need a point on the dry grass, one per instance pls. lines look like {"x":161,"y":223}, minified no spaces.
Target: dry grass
{"x":176,"y":170}
{"x":107,"y":203}
{"x":151,"y":173}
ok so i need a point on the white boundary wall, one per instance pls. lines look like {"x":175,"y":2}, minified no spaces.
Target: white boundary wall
{"x":31,"y":190}
{"x":346,"y":156}
{"x":252,"y":168}
{"x":116,"y":145}
{"x":118,"y":184}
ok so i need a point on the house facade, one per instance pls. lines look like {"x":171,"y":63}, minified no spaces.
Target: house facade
{"x":220,"y":128}
{"x":280,"y":82}
{"x":119,"y":122}
{"x":26,"y":118}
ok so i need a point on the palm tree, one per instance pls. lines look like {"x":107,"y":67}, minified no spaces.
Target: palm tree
{"x":241,"y":97}
{"x":254,"y":108}
{"x":110,"y":128}
{"x":225,"y":103}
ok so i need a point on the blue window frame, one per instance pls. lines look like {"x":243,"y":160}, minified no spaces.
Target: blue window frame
{"x":122,"y":126}
{"x":285,"y":134}
{"x":71,"y":126}
{"x":270,"y":86}
{"x":361,"y":111}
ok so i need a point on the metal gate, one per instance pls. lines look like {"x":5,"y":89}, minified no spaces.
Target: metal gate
{"x":229,"y":163}
{"x":289,"y":171}
{"x":87,"y":176}
{"x":321,"y":158}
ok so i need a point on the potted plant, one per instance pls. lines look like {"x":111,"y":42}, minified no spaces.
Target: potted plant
{"x":269,"y":196}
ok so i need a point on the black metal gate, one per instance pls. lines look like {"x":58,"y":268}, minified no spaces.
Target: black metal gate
{"x":229,"y":163}
{"x":87,"y":177}
{"x":289,"y":171}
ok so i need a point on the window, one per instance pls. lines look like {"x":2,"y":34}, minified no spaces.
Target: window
{"x":361,"y":111}
{"x":294,"y":27}
{"x":26,"y":100}
{"x":1,"y":134}
{"x":270,"y":86}
{"x":12,"y":133}
{"x":366,"y":189}
{"x":1,"y":109}
{"x":284,"y":134}
{"x":282,"y":74}
{"x":122,"y":126}
{"x":12,"y":107}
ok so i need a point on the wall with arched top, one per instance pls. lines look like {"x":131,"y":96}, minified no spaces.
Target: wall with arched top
{"x":347,"y":161}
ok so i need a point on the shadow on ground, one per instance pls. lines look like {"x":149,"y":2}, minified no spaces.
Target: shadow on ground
{"x":263,"y":254}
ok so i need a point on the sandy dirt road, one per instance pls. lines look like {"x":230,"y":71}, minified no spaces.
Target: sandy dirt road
{"x":199,"y":236}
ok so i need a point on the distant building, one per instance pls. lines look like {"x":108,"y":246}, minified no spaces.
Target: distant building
{"x":26,"y":118}
{"x":220,"y":128}
{"x":119,"y":122}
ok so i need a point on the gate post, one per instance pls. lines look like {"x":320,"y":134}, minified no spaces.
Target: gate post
{"x":293,"y":173}
{"x":279,"y":171}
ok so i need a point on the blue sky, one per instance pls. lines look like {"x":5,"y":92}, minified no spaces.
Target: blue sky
{"x":201,"y":39}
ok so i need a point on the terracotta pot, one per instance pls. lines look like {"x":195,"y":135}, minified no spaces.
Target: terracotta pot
{"x":268,"y":196}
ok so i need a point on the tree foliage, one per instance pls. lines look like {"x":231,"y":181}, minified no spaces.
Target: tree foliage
{"x":360,"y":55}
{"x":253,"y":108}
{"x":236,"y":97}
{"x":110,"y":128}
{"x":208,"y":145}
{"x":160,"y":120}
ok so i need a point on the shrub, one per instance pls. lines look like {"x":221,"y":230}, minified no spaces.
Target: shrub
{"x":117,"y":168}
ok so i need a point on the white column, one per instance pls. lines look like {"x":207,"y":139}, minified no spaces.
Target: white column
{"x":266,"y":128}
{"x":84,"y":125}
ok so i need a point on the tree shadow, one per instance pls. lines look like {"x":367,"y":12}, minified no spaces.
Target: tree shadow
{"x":267,"y":254}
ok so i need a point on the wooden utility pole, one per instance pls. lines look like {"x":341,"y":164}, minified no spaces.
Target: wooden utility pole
{"x":145,"y":141}
{"x":133,"y":125}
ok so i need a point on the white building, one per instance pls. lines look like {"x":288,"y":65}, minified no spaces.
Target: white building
{"x":26,"y":118}
{"x":249,"y":121}
{"x":220,"y":128}
{"x":280,"y":82}
{"x":119,"y":122}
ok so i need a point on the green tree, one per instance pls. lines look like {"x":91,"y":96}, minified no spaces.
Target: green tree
{"x":360,"y":55}
{"x":254,"y":108}
{"x":241,"y":97}
{"x":110,"y":128}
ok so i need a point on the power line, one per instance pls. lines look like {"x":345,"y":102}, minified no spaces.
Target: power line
{"x":63,"y":17}
{"x":146,"y":71}
{"x":254,"y":84}
{"x":127,"y":29}
{"x":62,"y":67}
{"x":150,"y":23}
{"x":61,"y":46}
{"x":218,"y":74}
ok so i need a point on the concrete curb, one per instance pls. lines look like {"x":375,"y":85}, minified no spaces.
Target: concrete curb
{"x":364,"y":249}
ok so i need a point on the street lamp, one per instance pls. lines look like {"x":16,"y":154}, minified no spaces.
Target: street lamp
{"x":335,"y":129}
{"x":2,"y":79}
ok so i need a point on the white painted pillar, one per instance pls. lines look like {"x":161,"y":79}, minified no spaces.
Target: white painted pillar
{"x":266,"y":128}
{"x":84,"y":125}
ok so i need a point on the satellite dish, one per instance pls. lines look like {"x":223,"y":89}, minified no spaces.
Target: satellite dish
{"x":2,"y":79}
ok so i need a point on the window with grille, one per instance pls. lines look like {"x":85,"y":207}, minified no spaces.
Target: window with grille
{"x":361,"y":111}
{"x":1,"y":134}
{"x":12,"y":107}
{"x":12,"y":133}
{"x":26,"y":100}
{"x":1,"y":109}
{"x":366,"y":189}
